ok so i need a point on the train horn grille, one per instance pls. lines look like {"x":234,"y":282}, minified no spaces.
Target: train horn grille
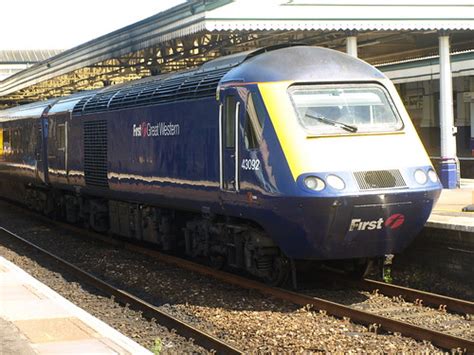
{"x":379,"y":179}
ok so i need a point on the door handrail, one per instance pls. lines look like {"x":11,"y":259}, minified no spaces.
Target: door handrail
{"x":221,"y":147}
{"x":237,"y":182}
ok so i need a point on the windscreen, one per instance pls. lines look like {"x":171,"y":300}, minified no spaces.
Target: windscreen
{"x":343,"y":109}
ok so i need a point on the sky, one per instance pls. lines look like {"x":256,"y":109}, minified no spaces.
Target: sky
{"x":63,"y":24}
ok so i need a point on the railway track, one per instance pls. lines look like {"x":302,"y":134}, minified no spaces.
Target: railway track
{"x":417,"y":296}
{"x":369,"y":319}
{"x":201,"y":338}
{"x":443,"y":340}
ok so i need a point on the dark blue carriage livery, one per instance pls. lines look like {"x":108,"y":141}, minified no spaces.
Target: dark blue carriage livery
{"x":251,"y":160}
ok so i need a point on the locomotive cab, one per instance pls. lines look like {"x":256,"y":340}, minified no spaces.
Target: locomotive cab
{"x":337,"y":156}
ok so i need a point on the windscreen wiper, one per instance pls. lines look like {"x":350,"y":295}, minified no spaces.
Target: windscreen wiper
{"x":344,"y":126}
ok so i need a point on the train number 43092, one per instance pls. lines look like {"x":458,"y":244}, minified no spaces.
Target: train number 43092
{"x":250,"y":164}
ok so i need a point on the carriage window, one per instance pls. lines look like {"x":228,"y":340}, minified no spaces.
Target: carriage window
{"x":255,"y":115}
{"x":229,"y":122}
{"x":6,"y":141}
{"x":335,"y":109}
{"x":15,"y":140}
{"x":61,"y":136}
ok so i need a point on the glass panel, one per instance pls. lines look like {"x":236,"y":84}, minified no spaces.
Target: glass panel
{"x":6,"y":141}
{"x":332,"y":109}
{"x":229,"y":122}
{"x":61,"y":136}
{"x":15,"y":140}
{"x":253,"y":122}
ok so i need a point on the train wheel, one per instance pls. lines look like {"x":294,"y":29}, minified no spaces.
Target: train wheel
{"x":279,"y":273}
{"x":217,"y":261}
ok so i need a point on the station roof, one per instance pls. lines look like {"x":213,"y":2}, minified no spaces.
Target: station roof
{"x":428,"y":68}
{"x":343,"y":15}
{"x":199,"y":30}
{"x":26,"y":56}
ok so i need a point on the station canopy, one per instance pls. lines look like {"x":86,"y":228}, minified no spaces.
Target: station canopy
{"x":196,"y":31}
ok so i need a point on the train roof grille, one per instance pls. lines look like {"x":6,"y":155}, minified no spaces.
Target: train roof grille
{"x":79,"y":107}
{"x":194,"y":84}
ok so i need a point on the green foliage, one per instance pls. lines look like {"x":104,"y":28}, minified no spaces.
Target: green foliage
{"x":156,"y":349}
{"x":387,"y":274}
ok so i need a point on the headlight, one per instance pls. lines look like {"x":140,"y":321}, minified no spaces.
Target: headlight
{"x":314,"y":183}
{"x":335,"y":182}
{"x":420,"y":177}
{"x":432,"y":175}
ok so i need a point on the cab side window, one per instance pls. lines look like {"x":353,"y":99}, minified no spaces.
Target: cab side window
{"x":61,"y":136}
{"x":254,"y":119}
{"x":229,"y":122}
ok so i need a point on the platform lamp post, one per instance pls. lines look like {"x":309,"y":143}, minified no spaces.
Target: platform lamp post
{"x":449,"y":162}
{"x":351,"y":43}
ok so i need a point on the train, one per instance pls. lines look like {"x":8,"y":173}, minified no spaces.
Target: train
{"x":257,"y":161}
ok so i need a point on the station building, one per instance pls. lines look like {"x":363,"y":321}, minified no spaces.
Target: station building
{"x":417,"y":81}
{"x":425,"y":46}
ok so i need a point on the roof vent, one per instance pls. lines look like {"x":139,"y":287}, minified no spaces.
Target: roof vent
{"x":189,"y":85}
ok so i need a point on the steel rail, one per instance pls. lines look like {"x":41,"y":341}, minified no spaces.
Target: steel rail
{"x":201,"y":338}
{"x":425,"y":298}
{"x":442,"y":340}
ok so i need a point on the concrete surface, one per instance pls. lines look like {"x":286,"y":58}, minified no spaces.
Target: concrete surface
{"x":448,"y":214}
{"x":12,"y":341}
{"x":34,"y":319}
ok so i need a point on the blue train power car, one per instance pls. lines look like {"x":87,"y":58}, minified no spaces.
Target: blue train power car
{"x":251,"y":160}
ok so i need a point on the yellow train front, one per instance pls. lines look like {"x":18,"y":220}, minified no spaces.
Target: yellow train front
{"x":337,"y":170}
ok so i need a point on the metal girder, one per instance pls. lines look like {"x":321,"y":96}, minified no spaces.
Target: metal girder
{"x":189,"y":51}
{"x":172,"y":55}
{"x":199,"y":30}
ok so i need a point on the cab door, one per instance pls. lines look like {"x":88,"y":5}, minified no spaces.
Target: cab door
{"x":57,"y":148}
{"x":230,"y":116}
{"x":42,"y":149}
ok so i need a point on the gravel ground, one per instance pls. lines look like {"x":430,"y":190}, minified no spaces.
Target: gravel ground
{"x":243,"y":318}
{"x":396,"y":308}
{"x":127,"y":321}
{"x":422,"y":278}
{"x":422,"y":316}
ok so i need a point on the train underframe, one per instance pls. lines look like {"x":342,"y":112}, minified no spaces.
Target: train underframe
{"x":218,"y":240}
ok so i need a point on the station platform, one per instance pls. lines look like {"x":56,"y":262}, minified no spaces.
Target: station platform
{"x":34,"y":319}
{"x":445,"y":246}
{"x":448,"y":212}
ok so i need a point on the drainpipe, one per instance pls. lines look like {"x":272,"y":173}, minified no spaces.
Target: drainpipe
{"x":449,"y":161}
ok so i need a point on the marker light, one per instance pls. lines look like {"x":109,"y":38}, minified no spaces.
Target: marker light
{"x":335,"y":182}
{"x":420,"y":177}
{"x":432,"y":175}
{"x":314,"y":183}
